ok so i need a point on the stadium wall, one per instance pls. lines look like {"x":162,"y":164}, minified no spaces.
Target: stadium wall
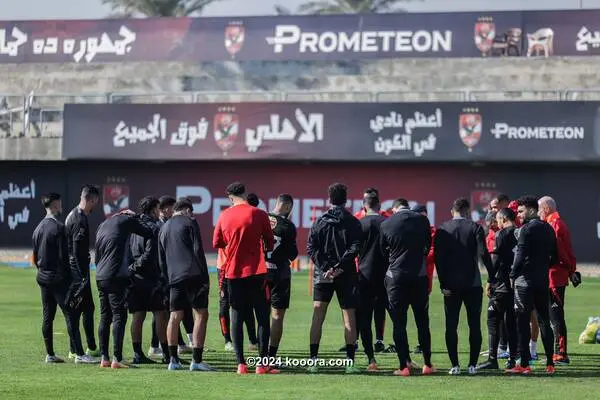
{"x":21,"y":184}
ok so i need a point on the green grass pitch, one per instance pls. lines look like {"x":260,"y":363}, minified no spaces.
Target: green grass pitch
{"x":23,"y":375}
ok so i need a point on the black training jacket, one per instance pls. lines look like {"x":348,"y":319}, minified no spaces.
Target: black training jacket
{"x":78,"y":240}
{"x":405,"y":240}
{"x":50,"y":252}
{"x":113,"y":254}
{"x":144,"y":252}
{"x":372,"y":263}
{"x":180,"y":250}
{"x":503,"y":256}
{"x":285,"y":249}
{"x":334,"y":240}
{"x":536,"y":252}
{"x":459,"y":244}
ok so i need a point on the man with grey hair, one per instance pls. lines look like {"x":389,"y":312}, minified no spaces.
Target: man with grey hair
{"x":559,"y":275}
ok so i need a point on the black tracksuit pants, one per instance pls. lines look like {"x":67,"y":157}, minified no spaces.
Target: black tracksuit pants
{"x":472,"y":299}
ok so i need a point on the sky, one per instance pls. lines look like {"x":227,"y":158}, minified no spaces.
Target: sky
{"x":92,"y":9}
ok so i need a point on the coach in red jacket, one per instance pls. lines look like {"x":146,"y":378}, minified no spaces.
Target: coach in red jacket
{"x":559,"y":276}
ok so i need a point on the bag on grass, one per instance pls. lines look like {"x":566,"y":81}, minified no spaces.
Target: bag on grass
{"x":590,"y":333}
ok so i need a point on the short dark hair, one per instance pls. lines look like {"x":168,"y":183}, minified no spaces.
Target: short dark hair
{"x":147,"y":204}
{"x":338,"y":194}
{"x":371,"y":200}
{"x":528,"y":201}
{"x":461,"y":205}
{"x":490,"y":217}
{"x":400,"y":202}
{"x":183,"y":203}
{"x":166,"y":201}
{"x":285,"y":198}
{"x":49,"y":198}
{"x":252,"y":199}
{"x":236,"y":189}
{"x":502,"y":198}
{"x":89,"y":191}
{"x":507,"y":213}
{"x":371,"y":190}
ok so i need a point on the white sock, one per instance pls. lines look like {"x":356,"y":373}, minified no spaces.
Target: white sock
{"x":533,"y":347}
{"x":189,"y":335}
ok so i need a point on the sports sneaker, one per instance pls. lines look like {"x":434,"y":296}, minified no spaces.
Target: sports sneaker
{"x":352,"y":369}
{"x":504,"y":355}
{"x":418,"y":350}
{"x":379,"y":347}
{"x":472,"y":370}
{"x":201,"y":366}
{"x":402,"y":372}
{"x":85,"y":359}
{"x":93,"y":353}
{"x":242,"y":369}
{"x":105,"y":363}
{"x":54,"y":359}
{"x":253,"y":347}
{"x":561,"y":360}
{"x":391,"y":349}
{"x":550,"y":370}
{"x":155,"y":352}
{"x":121,"y":365}
{"x":510,"y":364}
{"x":372,"y":367}
{"x":174,"y":366}
{"x":489,"y":364}
{"x":266,"y":371}
{"x":519,"y":370}
{"x":229,"y":346}
{"x":183,"y":349}
{"x":428,"y":370}
{"x":454,"y":370}
{"x":72,"y":356}
{"x":140,"y":359}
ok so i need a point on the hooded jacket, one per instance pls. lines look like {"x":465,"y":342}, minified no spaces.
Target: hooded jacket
{"x":565,"y":267}
{"x":335,"y":240}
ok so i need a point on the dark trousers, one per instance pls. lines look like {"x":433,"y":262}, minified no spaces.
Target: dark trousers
{"x":113,"y":309}
{"x":526,"y":300}
{"x":453,"y":301}
{"x":501,"y":314}
{"x":225,"y":317}
{"x":403,"y":293}
{"x":53,"y":296}
{"x":245,"y":296}
{"x":367,"y":302}
{"x":379,"y":314}
{"x":85,"y":314}
{"x":557,"y":319}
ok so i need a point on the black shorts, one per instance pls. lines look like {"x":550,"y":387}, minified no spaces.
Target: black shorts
{"x":192,"y":292}
{"x":345,"y":287}
{"x":249,"y":292}
{"x":279,"y":292}
{"x":146,"y":296}
{"x":528,"y":299}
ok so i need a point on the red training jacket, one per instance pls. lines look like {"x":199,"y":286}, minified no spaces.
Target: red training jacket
{"x":560,"y":273}
{"x":431,"y":261}
{"x":490,"y":240}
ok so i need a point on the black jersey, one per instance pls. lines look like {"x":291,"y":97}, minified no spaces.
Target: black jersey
{"x":285,"y":249}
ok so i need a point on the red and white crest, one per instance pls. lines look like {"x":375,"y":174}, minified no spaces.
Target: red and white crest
{"x":469,"y":128}
{"x":485,"y":32}
{"x":115,"y":198}
{"x":226,"y":130}
{"x":234,"y":38}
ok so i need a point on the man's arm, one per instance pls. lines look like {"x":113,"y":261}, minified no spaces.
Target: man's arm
{"x":218,"y":239}
{"x":162,"y":257}
{"x":292,"y":250}
{"x":35,"y":248}
{"x":146,"y":259}
{"x":439,"y":256}
{"x":313,"y":245}
{"x":484,"y":254}
{"x":63,"y":248}
{"x":267,"y":232}
{"x":77,"y":236}
{"x":198,"y":246}
{"x":355,"y":238}
{"x":566,"y":256}
{"x":139,"y":227}
{"x":427,"y":233}
{"x":519,"y":262}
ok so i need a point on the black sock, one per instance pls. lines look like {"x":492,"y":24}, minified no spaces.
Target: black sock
{"x":173,"y":353}
{"x":273,"y":351}
{"x":350,"y":351}
{"x":314,"y":350}
{"x":49,"y":346}
{"x":197,"y":354}
{"x":165,"y":350}
{"x":137,"y":349}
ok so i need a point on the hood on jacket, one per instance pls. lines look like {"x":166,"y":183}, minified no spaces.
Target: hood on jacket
{"x":335,"y":215}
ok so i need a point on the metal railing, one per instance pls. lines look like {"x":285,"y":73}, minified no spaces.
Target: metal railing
{"x":40,"y":115}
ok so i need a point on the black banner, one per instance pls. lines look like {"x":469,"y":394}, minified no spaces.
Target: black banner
{"x":485,"y":131}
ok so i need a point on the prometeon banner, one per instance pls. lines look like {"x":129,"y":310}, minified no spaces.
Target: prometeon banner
{"x":485,"y":131}
{"x":304,"y":38}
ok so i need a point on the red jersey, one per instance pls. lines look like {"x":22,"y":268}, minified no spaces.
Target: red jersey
{"x":559,"y":273}
{"x":515,"y":207}
{"x":490,"y":240}
{"x":241,"y":231}
{"x":431,"y":261}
